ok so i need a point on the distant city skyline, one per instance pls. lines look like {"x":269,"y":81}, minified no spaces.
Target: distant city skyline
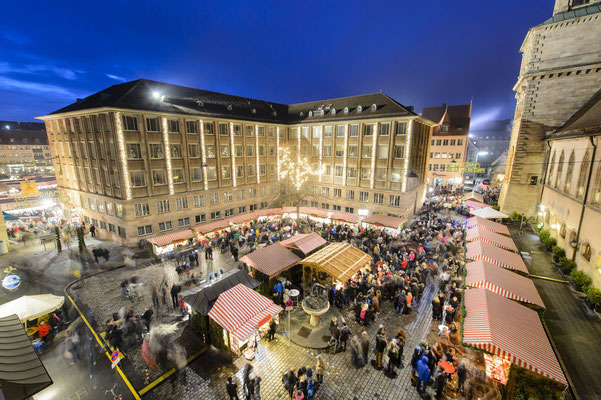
{"x":419,"y":54}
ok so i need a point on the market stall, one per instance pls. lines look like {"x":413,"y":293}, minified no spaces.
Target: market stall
{"x":488,"y":213}
{"x":209,"y":229}
{"x":490,"y":237}
{"x":170,"y":241}
{"x":31,"y":307}
{"x":480,"y":250}
{"x":244,"y":316}
{"x":487,"y":224}
{"x":306,"y":243}
{"x":474,"y":196}
{"x":271,"y":260}
{"x":335,"y":262}
{"x":386,"y":222}
{"x":476,"y":205}
{"x":482,"y":274}
{"x":510,"y":331}
{"x":22,"y":374}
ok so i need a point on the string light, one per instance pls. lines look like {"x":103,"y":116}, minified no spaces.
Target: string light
{"x":277,"y":144}
{"x":167,"y":156}
{"x":123,"y":155}
{"x":257,"y":152}
{"x":373,"y":154}
{"x":407,"y":150}
{"x":344,"y":157}
{"x":296,"y":172}
{"x":233,"y":173}
{"x":204,"y":154}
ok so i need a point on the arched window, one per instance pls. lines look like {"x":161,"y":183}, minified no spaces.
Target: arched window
{"x":584,"y":167}
{"x":550,"y":170}
{"x":559,"y":171}
{"x":597,"y":187}
{"x":586,"y":251}
{"x":570,"y":172}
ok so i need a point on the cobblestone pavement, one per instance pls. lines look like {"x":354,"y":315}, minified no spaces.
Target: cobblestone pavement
{"x":206,"y":377}
{"x":574,"y":329}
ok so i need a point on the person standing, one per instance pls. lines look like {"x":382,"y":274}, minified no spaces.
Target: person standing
{"x":147,"y":317}
{"x":423,"y":375}
{"x":232,"y":389}
{"x":320,"y":369}
{"x":380,"y":347}
{"x":345,"y":333}
{"x":175,"y":289}
{"x":355,"y":351}
{"x":235,"y":253}
{"x":92,"y":230}
{"x":461,"y":376}
{"x":272,"y":329}
{"x":289,"y":380}
{"x":440,"y":380}
{"x":335,"y":337}
{"x":364,"y":347}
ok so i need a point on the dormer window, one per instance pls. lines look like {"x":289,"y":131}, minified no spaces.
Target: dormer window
{"x":333,"y":111}
{"x":310,"y":113}
{"x":359,"y":109}
{"x":229,"y":107}
{"x":274,"y":113}
{"x":254,"y":110}
{"x":345,"y":110}
{"x":444,"y":128}
{"x":301,"y":114}
{"x":374,"y":107}
{"x":321,"y":113}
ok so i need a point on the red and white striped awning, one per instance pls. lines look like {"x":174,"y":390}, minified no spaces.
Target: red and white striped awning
{"x":384,"y":220}
{"x":241,"y":311}
{"x":510,"y":330}
{"x":475,"y":204}
{"x":480,"y":250}
{"x":212,"y":226}
{"x":170,"y":237}
{"x":241,"y":218}
{"x":479,"y":233}
{"x":482,"y":274}
{"x":487,"y":224}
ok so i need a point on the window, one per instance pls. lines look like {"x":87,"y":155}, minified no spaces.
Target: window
{"x":119,"y":210}
{"x":380,"y":174}
{"x":251,"y":170}
{"x":327,"y":131}
{"x":211,"y":173}
{"x":271,"y":132}
{"x":130,"y":123}
{"x":226,"y":172}
{"x":444,"y":128}
{"x":401,"y":129}
{"x":193,"y":151}
{"x":112,"y":228}
{"x":159,"y":177}
{"x":110,"y":210}
{"x":241,"y":209}
{"x":445,"y":142}
{"x":453,"y":142}
{"x":165,"y":226}
{"x":250,"y":150}
{"x":253,"y":207}
{"x":328,"y":172}
{"x":439,"y":142}
{"x":214,"y":198}
{"x":352,"y":151}
{"x":229,"y":212}
{"x":458,"y":156}
{"x":394,"y":200}
{"x":156,"y":151}
{"x":459,"y":142}
{"x":210,"y":150}
{"x":173,"y":125}
{"x":349,"y":210}
{"x":163,"y":206}
{"x":365,"y":172}
{"x":316,"y":132}
{"x":586,"y":251}
{"x":261,"y":150}
{"x":570,"y":172}
{"x":325,"y":192}
{"x":305,"y":132}
{"x":294,"y":133}
{"x":351,"y":172}
{"x":261,"y":132}
{"x":336,"y":208}
{"x":366,"y":151}
{"x":338,"y":171}
{"x":271,"y":150}
{"x":378,"y":198}
{"x":133,"y":151}
{"x":224,"y":150}
{"x":443,"y":155}
{"x":138,"y":178}
{"x":442,"y":167}
{"x":350,"y":195}
{"x":201,"y":218}
{"x":382,"y":152}
{"x":354,"y":130}
{"x":199,"y":201}
{"x":339,"y":130}
{"x":263,"y":191}
{"x":116,"y":178}
{"x":368,"y":130}
{"x":181,"y":203}
{"x":228,"y":197}
{"x":584,"y":167}
{"x":250,"y":131}
{"x":262,"y":169}
{"x":550,"y":170}
{"x":144,"y":230}
{"x":252,"y":192}
{"x":183,"y":222}
{"x":315,"y":150}
{"x":327,"y":150}
{"x":337,"y":193}
{"x":429,"y":167}
{"x":100,"y":204}
{"x":92,"y":204}
{"x":399,"y":151}
{"x":435,"y":167}
{"x":192,"y":126}
{"x":176,"y":150}
{"x":559,"y":171}
{"x":153,"y":125}
{"x":241,"y":194}
{"x":364,"y":197}
{"x":385,"y":129}
{"x":141,"y":210}
{"x":339,"y":150}
{"x":395,"y":175}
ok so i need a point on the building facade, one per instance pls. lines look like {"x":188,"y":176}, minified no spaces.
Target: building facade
{"x":23,"y":146}
{"x":145,"y":157}
{"x":491,"y":139}
{"x":570,"y":205}
{"x":448,"y":145}
{"x":561,"y":69}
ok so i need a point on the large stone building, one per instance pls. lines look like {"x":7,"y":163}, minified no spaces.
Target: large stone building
{"x":561,"y":69}
{"x":23,"y":146}
{"x":570,"y":205}
{"x":145,"y":157}
{"x":448,"y":145}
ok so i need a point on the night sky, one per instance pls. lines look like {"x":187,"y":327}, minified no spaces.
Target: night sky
{"x":422,"y":53}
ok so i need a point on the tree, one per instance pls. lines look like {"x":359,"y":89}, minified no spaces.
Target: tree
{"x":294,"y":173}
{"x":57,"y":232}
{"x":80,"y":239}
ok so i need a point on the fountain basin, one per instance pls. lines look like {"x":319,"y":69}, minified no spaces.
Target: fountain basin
{"x":316,"y":307}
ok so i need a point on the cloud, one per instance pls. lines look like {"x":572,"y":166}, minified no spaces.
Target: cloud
{"x":116,"y":77}
{"x":34,"y":87}
{"x":66,"y":73}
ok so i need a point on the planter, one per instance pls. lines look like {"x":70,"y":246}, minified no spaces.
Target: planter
{"x":598,"y":308}
{"x":589,"y":304}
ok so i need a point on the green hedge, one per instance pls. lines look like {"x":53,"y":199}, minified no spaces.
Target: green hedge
{"x":544,"y":234}
{"x":550,"y":243}
{"x":580,"y":279}
{"x":594,"y":295}
{"x":567,"y":265}
{"x":524,"y":384}
{"x":216,"y":334}
{"x":558,"y":252}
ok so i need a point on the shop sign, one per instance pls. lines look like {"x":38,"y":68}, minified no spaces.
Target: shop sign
{"x":497,"y":368}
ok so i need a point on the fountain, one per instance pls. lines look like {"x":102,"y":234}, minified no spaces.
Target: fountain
{"x":316,"y":304}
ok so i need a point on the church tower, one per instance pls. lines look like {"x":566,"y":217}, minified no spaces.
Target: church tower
{"x":561,"y":69}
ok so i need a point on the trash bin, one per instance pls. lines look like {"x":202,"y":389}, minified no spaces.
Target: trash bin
{"x":3,"y":247}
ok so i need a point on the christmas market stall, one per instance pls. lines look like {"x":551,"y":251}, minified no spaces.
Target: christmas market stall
{"x":476,"y":205}
{"x":488,"y":213}
{"x":244,"y":316}
{"x":169,"y":242}
{"x":480,"y":250}
{"x":487,"y":224}
{"x":305,"y":243}
{"x":502,"y":241}
{"x":384,"y":222}
{"x":268,"y":262}
{"x":511,"y":334}
{"x":335,"y":263}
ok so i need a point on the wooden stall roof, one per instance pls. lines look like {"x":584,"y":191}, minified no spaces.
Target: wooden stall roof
{"x":341,"y":260}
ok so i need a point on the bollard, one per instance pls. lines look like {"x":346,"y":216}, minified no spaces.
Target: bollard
{"x":147,"y":377}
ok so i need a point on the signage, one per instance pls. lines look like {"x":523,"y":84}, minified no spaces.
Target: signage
{"x":115,"y":358}
{"x":264,"y":321}
{"x":289,"y":303}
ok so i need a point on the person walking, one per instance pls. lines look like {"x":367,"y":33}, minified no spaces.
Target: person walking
{"x":355,"y":351}
{"x":423,"y":375}
{"x":461,"y":375}
{"x":234,"y":251}
{"x":175,"y":289}
{"x":345,"y":333}
{"x":364,"y":347}
{"x":258,"y":380}
{"x":289,"y":380}
{"x":380,"y":347}
{"x":335,"y":337}
{"x":320,"y":369}
{"x":92,"y":231}
{"x":272,"y":329}
{"x":232,"y":389}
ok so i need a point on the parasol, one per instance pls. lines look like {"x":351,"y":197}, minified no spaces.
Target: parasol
{"x":32,"y":307}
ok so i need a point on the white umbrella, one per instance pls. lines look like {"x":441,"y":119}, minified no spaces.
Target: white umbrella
{"x":31,"y":307}
{"x":488,"y":213}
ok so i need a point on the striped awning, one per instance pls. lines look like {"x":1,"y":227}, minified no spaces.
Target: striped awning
{"x":480,"y":250}
{"x":212,"y":226}
{"x":479,"y":233}
{"x":510,"y":330}
{"x":170,"y":237}
{"x":344,"y":216}
{"x":482,"y":274}
{"x":488,"y":224}
{"x":384,"y":220}
{"x":241,"y":218}
{"x":241,"y":311}
{"x":475,"y":204}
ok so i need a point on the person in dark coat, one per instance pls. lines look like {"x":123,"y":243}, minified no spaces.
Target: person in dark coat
{"x":440,"y":381}
{"x":175,"y":289}
{"x":380,"y":347}
{"x":289,"y":380}
{"x":461,"y":376}
{"x":272,"y":329}
{"x":345,"y":333}
{"x":364,"y":346}
{"x":423,"y":375}
{"x":232,"y":389}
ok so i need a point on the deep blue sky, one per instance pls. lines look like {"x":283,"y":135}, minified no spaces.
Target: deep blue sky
{"x":421,"y":53}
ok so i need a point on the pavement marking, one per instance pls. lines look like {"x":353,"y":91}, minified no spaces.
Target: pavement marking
{"x":167,"y":374}
{"x":547,"y":278}
{"x":125,"y":380}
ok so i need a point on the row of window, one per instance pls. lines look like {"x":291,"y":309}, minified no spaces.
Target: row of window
{"x":23,"y":140}
{"x":447,"y":142}
{"x":450,"y":156}
{"x":25,"y":155}
{"x":555,"y":176}
{"x":23,"y":147}
{"x":102,"y":225}
{"x":102,"y":206}
{"x":377,"y":198}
